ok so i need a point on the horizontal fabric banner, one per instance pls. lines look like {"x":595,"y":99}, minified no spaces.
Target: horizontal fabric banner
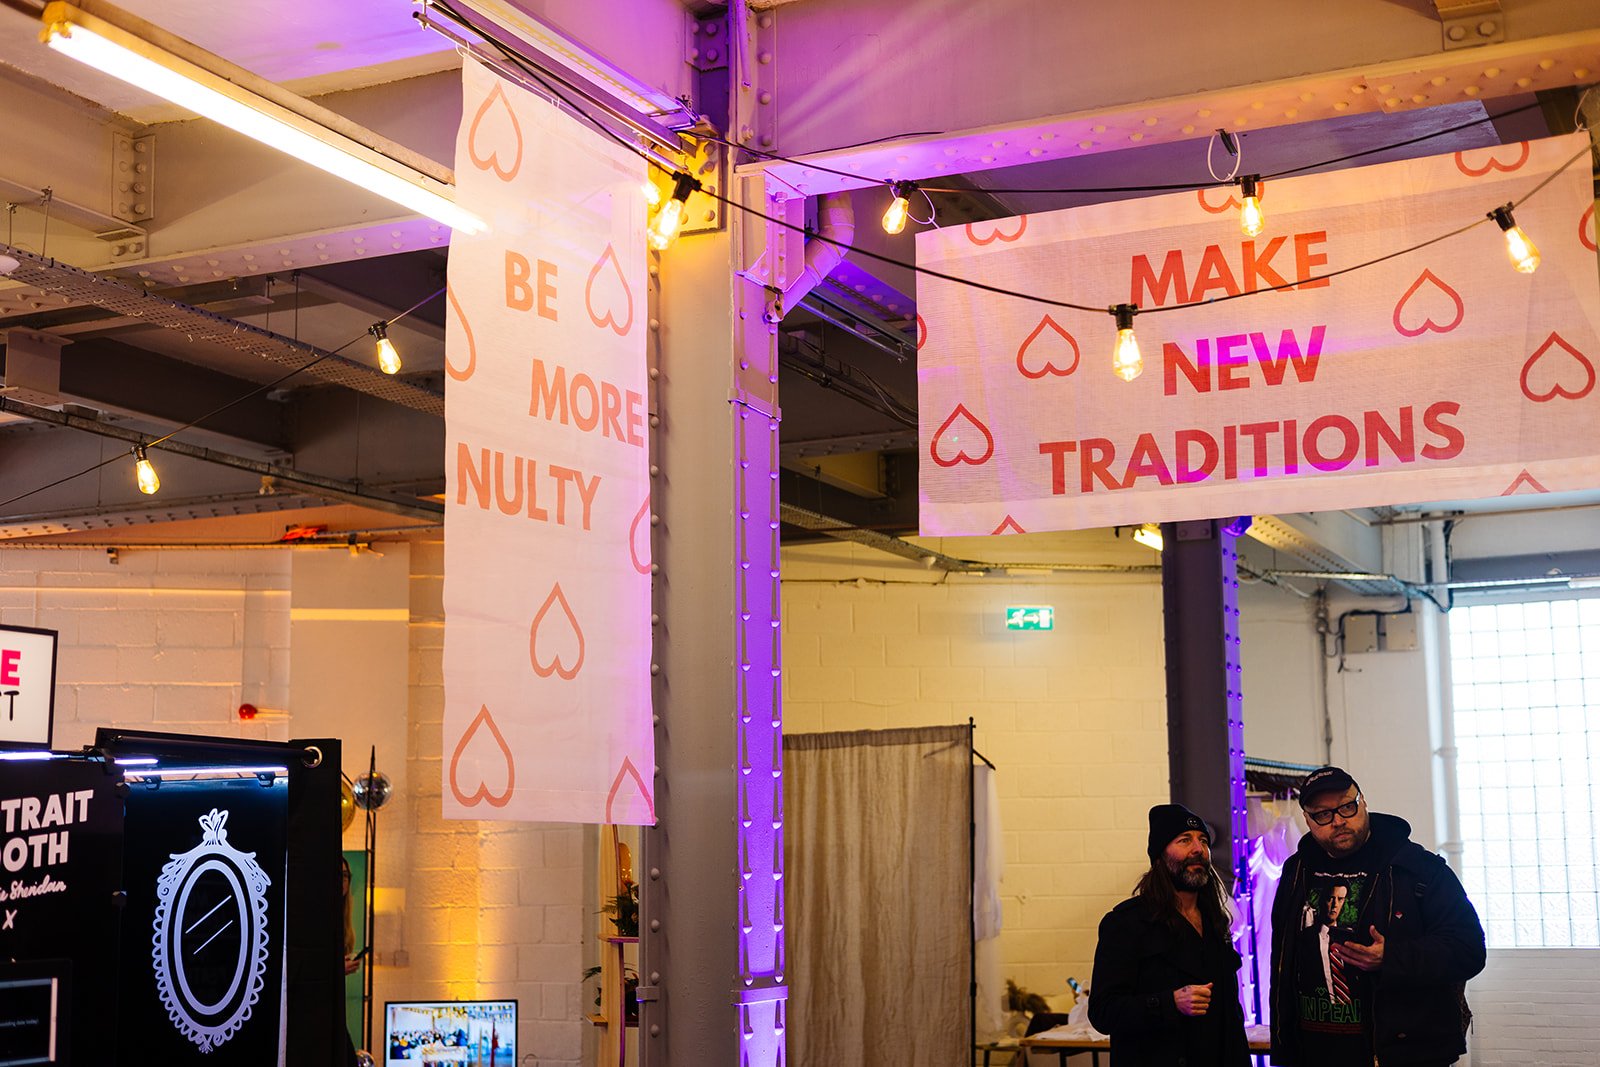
{"x":1437,"y":375}
{"x":547,"y":532}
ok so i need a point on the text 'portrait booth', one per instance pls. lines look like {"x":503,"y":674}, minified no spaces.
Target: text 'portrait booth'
{"x":171,"y":900}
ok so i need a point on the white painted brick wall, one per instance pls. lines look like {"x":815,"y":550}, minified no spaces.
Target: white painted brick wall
{"x":1074,"y":718}
{"x":491,"y":909}
{"x":176,"y":640}
{"x":1535,"y":1007}
{"x":159,"y":640}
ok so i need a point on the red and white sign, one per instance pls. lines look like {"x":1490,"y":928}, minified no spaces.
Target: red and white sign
{"x":547,"y":576}
{"x":27,"y":686}
{"x":1439,"y":374}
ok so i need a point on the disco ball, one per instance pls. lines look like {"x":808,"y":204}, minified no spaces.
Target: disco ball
{"x":373,"y":791}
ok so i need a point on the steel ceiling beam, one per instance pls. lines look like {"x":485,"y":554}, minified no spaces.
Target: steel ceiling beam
{"x":327,"y":488}
{"x":74,"y":286}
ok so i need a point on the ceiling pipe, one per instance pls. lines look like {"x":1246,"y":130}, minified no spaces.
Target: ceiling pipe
{"x":836,"y":228}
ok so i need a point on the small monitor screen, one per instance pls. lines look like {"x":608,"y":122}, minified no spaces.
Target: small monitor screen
{"x":462,"y":1033}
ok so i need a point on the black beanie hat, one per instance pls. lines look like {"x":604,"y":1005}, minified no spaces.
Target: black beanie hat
{"x":1168,"y":821}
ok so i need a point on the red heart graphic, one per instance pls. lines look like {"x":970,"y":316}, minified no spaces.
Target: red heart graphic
{"x":1556,"y":387}
{"x":1586,"y":229}
{"x":1007,"y":525}
{"x":961,"y":456}
{"x":1524,"y":479}
{"x":481,"y":794}
{"x":1049,"y":366}
{"x":472,"y":347}
{"x":589,"y":295}
{"x":1524,"y":150}
{"x":626,"y":771}
{"x":491,"y":159}
{"x":555,"y":666}
{"x":1431,"y":279}
{"x":641,"y":562}
{"x":922,"y":333}
{"x":1232,"y":202}
{"x":997,"y":234}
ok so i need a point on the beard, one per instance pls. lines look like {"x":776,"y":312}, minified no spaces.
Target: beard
{"x":1190,"y":875}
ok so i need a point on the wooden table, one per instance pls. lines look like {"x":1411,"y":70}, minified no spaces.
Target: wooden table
{"x":1070,"y":1046}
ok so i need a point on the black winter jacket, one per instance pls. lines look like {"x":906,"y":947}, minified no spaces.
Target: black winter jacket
{"x":1433,"y":943}
{"x":1138,"y":962}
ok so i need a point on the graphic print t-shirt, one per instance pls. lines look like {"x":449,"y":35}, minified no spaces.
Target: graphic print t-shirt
{"x":1334,"y":999}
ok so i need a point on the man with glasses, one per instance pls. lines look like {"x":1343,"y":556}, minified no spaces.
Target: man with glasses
{"x":1373,"y":940}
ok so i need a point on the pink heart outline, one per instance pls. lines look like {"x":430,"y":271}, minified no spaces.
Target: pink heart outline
{"x":1049,"y":366}
{"x":555,"y":666}
{"x":492,"y":160}
{"x":922,"y":333}
{"x":628,"y":770}
{"x":997,"y":234}
{"x":482,"y":794}
{"x":1555,"y":339}
{"x":1004,"y":523}
{"x":1524,"y":479}
{"x":472,"y":347}
{"x":1494,"y":161}
{"x":633,"y":537}
{"x":1586,"y":226}
{"x":1428,"y":323}
{"x":1230,"y":204}
{"x":961,"y":455}
{"x":588,"y":295}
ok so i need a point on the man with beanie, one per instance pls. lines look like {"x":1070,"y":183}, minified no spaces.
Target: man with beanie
{"x":1165,"y":983}
{"x":1373,"y":940}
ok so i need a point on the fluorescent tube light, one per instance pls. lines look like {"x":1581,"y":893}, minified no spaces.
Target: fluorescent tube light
{"x":1149,"y":535}
{"x":646,"y":99}
{"x":121,"y":54}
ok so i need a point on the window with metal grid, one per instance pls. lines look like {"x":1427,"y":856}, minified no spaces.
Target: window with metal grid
{"x":1526,"y":687}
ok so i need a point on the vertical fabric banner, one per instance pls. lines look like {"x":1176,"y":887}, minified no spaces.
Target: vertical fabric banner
{"x":547,"y":509}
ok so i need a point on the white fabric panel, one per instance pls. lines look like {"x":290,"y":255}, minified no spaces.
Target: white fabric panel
{"x":879,"y":911}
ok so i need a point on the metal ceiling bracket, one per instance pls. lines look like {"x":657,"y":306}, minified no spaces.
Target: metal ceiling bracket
{"x":133,"y":179}
{"x":1470,"y":23}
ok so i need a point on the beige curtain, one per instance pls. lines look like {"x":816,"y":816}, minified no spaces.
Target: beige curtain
{"x":879,"y":900}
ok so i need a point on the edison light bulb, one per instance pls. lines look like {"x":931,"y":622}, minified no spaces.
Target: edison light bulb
{"x":1523,"y":252}
{"x":894,"y":219}
{"x":1125,"y":357}
{"x":388,"y":357}
{"x":664,"y":227}
{"x":1251,"y":218}
{"x":145,"y":472}
{"x":652,"y":195}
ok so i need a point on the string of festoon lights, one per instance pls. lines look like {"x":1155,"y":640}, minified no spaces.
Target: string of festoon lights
{"x":668,"y":214}
{"x":1127,"y":362}
{"x":144,"y":471}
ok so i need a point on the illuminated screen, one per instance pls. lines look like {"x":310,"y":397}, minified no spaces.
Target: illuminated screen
{"x":462,"y":1033}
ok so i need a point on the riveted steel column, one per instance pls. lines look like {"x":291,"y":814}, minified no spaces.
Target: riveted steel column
{"x":1205,"y":728}
{"x":712,"y":948}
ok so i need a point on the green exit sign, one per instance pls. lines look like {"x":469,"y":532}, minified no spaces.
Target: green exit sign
{"x":1031,"y":617}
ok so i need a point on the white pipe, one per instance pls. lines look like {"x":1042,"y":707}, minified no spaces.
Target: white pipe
{"x":836,"y":221}
{"x":1439,"y":565}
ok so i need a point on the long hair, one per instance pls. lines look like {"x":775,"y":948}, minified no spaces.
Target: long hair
{"x":1160,"y":897}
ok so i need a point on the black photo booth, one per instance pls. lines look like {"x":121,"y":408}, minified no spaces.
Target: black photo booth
{"x":172,"y":899}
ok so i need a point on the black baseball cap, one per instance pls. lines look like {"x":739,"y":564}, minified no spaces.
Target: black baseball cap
{"x":1326,"y":780}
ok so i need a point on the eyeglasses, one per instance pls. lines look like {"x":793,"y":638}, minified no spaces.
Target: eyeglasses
{"x":1344,"y":811}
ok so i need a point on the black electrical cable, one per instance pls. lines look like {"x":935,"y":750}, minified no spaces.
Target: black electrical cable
{"x":257,"y":391}
{"x":1157,"y":188}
